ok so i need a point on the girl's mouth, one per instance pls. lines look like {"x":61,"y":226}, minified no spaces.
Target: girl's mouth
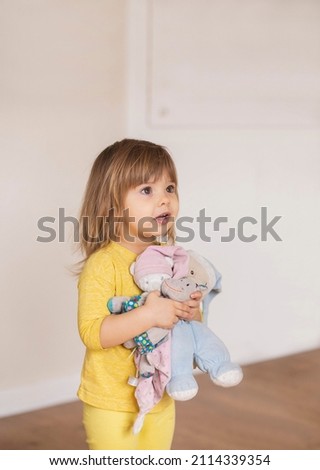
{"x":164,"y":218}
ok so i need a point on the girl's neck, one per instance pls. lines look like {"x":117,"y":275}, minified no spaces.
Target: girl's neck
{"x":137,"y":246}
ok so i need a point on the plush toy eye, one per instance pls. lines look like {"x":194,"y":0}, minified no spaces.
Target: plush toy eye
{"x":192,"y":272}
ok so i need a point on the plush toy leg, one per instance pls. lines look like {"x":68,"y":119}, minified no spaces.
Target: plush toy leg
{"x":182,"y":385}
{"x":213,"y":357}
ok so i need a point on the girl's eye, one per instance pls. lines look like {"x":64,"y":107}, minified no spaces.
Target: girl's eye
{"x":147,"y":190}
{"x":171,"y":188}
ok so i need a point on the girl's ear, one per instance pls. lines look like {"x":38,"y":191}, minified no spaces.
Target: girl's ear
{"x":132,"y":266}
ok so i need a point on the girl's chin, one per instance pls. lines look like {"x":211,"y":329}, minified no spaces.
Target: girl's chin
{"x":151,"y":236}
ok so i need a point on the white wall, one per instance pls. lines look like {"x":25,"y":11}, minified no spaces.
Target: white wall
{"x":63,"y":99}
{"x":74,"y":79}
{"x":270,"y":301}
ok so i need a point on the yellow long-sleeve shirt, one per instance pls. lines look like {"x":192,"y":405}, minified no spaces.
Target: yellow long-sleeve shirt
{"x":105,"y":372}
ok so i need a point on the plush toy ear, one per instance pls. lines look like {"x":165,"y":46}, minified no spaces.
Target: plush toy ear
{"x":213,"y":285}
{"x":132,"y":266}
{"x":201,"y":270}
{"x":180,"y":259}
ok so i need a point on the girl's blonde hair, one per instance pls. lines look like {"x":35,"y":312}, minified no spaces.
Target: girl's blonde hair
{"x":120,"y":167}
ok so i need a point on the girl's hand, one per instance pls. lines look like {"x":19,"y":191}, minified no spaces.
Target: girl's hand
{"x":166,"y":313}
{"x":194,"y":305}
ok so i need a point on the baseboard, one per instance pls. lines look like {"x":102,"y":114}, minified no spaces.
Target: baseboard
{"x":39,"y":395}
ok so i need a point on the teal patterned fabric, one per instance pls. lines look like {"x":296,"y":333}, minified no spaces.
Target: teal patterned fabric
{"x":143,"y":342}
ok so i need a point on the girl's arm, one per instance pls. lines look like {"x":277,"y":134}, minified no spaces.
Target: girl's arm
{"x":97,"y":328}
{"x":157,"y":311}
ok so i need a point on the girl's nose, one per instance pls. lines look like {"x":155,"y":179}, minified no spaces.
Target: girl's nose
{"x":163,"y":198}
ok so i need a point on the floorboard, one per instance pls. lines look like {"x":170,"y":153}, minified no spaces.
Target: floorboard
{"x":277,"y":406}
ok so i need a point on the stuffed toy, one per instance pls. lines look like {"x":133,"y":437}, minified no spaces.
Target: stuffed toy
{"x":194,"y":342}
{"x":152,"y":349}
{"x":176,"y":273}
{"x":150,"y":269}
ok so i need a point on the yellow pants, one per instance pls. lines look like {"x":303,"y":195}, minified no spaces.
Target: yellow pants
{"x":112,"y":430}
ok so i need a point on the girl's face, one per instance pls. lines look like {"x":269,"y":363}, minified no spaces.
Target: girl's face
{"x":150,"y":210}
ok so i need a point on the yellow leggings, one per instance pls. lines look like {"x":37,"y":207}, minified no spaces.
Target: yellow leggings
{"x":112,"y":430}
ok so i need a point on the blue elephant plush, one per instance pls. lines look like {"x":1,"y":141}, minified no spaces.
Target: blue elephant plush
{"x":177,"y":273}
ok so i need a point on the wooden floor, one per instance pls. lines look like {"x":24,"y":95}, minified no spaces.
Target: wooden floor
{"x":277,"y":406}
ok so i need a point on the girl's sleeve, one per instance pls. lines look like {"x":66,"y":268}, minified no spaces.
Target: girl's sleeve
{"x":95,"y":287}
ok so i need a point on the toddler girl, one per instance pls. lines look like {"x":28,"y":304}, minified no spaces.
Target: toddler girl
{"x":130,"y":201}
